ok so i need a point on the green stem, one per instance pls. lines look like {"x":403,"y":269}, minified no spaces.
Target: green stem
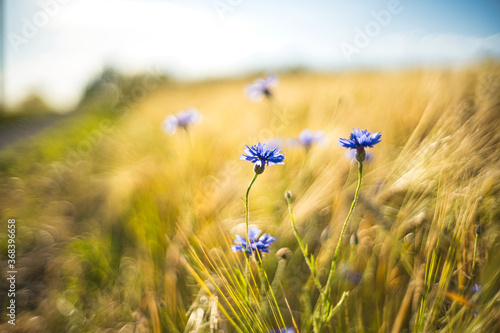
{"x":248,"y":237}
{"x":473,"y":263}
{"x":323,"y":302}
{"x":315,"y":326}
{"x":262,"y":278}
{"x":337,"y":249}
{"x":246,"y":204}
{"x":303,"y":248}
{"x":247,"y":280}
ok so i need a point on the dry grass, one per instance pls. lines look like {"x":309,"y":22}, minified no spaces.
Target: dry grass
{"x":134,"y":229}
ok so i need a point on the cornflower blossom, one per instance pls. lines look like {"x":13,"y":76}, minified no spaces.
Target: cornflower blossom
{"x":182,"y":119}
{"x":257,"y":244}
{"x":476,"y":288}
{"x":262,"y":156}
{"x":307,"y":138}
{"x":360,"y":140}
{"x":261,"y":88}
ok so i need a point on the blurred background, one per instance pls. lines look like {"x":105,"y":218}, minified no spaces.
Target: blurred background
{"x":120,"y":225}
{"x":54,"y":48}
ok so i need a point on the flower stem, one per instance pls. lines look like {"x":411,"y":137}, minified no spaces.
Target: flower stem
{"x":303,"y":248}
{"x":319,"y":317}
{"x":248,"y":237}
{"x":337,"y":249}
{"x":473,"y":263}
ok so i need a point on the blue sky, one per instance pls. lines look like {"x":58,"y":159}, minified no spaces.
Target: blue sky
{"x":70,"y":41}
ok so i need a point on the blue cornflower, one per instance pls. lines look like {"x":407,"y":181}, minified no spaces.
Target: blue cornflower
{"x":307,"y":138}
{"x":359,"y":140}
{"x":261,"y":156}
{"x":475,"y":289}
{"x":283,"y":330}
{"x":183,"y":119}
{"x":261,"y":88}
{"x":256,"y":244}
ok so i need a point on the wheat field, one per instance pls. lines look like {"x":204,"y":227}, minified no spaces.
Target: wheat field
{"x":133,"y":232}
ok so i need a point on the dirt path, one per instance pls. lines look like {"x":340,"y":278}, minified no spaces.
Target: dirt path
{"x":21,"y":128}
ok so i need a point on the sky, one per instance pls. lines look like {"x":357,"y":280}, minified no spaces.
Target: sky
{"x":55,"y":47}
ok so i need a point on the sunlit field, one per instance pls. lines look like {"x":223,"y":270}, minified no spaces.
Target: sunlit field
{"x":121,"y":227}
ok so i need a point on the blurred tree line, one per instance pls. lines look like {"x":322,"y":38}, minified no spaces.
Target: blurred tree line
{"x":113,"y":91}
{"x":109,"y":91}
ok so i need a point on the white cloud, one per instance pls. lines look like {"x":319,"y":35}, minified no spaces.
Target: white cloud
{"x":428,"y":49}
{"x":193,"y":42}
